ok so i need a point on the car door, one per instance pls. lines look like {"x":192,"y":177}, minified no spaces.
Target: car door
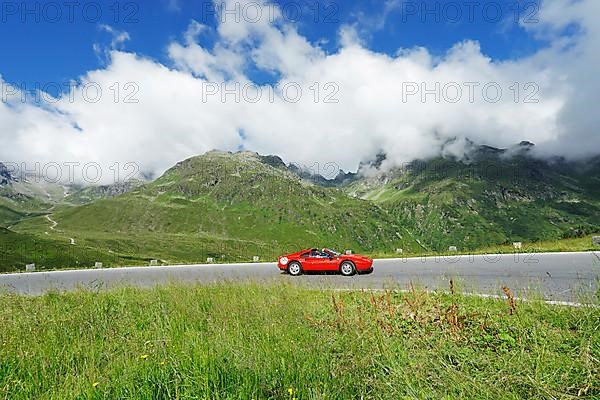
{"x":331,"y":262}
{"x":322,"y":261}
{"x":308,"y":262}
{"x":314,"y":261}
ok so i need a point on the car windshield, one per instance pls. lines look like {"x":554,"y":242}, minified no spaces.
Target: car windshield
{"x":331,"y":251}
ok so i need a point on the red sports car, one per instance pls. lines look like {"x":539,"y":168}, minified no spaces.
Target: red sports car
{"x":324,"y":260}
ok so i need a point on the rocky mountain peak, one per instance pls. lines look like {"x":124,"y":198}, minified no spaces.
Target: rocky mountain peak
{"x":5,"y":176}
{"x":272,"y":160}
{"x":374,"y":163}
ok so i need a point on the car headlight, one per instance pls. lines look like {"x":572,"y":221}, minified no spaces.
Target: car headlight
{"x":283,"y":260}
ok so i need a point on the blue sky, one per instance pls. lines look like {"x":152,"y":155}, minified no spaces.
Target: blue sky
{"x":374,"y":75}
{"x":42,"y":47}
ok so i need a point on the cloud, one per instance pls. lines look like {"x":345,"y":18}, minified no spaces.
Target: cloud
{"x":118,"y":40}
{"x":571,"y":61}
{"x":173,"y":5}
{"x":354,"y":103}
{"x":368,"y":23}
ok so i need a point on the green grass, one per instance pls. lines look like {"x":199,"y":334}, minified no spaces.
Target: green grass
{"x":54,"y":251}
{"x":563,"y":245}
{"x":47,"y":252}
{"x":261,"y":341}
{"x":548,"y":246}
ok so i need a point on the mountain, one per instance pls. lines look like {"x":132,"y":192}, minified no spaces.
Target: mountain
{"x":19,"y":198}
{"x":490,"y":197}
{"x":232,"y":206}
{"x":89,"y":194}
{"x":334,"y":178}
{"x":5,"y":175}
{"x":228,"y":206}
{"x":30,"y":195}
{"x":246,"y":197}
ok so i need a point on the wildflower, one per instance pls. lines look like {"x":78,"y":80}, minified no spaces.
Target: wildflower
{"x":95,"y":384}
{"x":290,"y":390}
{"x":144,"y":356}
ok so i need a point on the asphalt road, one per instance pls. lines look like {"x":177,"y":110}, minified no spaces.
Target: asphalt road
{"x":555,"y":276}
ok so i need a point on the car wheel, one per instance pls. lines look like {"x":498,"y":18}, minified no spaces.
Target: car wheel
{"x":294,"y":268}
{"x":347,"y":268}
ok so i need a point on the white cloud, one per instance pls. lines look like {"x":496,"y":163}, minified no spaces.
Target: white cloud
{"x":118,"y":37}
{"x":118,"y":40}
{"x":174,"y":118}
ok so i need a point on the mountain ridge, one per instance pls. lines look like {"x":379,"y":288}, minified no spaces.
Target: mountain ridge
{"x":228,"y":205}
{"x":489,"y":199}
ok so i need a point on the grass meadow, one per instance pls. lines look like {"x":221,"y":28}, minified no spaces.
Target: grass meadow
{"x":275,"y":341}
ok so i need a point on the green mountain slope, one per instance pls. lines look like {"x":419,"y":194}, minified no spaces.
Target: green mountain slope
{"x":232,"y":206}
{"x":21,"y":199}
{"x":488,"y":199}
{"x":241,"y":196}
{"x":88,"y":194}
{"x":18,"y":249}
{"x":29,"y":195}
{"x":228,"y":206}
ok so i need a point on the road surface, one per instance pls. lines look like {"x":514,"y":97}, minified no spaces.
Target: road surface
{"x":555,"y":276}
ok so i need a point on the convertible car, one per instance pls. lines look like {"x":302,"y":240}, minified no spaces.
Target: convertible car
{"x":324,"y":260}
